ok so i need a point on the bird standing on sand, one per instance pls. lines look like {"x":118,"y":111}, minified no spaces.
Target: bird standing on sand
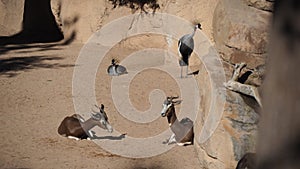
{"x":186,"y":47}
{"x":115,"y":70}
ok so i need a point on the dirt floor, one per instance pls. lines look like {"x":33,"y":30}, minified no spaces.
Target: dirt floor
{"x":36,"y":94}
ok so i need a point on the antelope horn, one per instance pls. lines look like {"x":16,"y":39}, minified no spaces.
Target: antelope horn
{"x":98,"y":106}
{"x":176,"y":102}
{"x":94,"y":111}
{"x":172,"y":97}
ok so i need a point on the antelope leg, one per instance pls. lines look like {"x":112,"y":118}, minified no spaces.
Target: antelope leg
{"x":91,"y":134}
{"x":172,"y":139}
{"x":72,"y":137}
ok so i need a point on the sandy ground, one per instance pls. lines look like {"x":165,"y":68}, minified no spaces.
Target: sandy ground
{"x":36,"y":94}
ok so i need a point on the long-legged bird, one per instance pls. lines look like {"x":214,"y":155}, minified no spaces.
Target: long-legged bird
{"x":186,"y":47}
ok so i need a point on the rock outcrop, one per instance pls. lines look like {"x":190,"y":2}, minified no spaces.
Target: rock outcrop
{"x":241,"y":35}
{"x":265,"y":5}
{"x":240,"y":30}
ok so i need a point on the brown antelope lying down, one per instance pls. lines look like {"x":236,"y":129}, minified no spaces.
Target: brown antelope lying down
{"x":76,"y":127}
{"x":183,"y":133}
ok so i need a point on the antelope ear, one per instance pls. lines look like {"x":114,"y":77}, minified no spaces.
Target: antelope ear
{"x":102,"y":107}
{"x":96,"y":116}
{"x":177,"y":102}
{"x":172,"y":97}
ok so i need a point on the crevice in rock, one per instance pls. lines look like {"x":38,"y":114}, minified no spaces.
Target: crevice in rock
{"x":211,"y":156}
{"x":237,"y":49}
{"x":233,"y":64}
{"x":241,"y":122}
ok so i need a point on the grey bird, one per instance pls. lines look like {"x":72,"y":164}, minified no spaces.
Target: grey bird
{"x":115,"y":70}
{"x":186,"y":47}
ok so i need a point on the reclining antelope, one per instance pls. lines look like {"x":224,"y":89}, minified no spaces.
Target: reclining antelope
{"x":76,"y":127}
{"x":183,"y":133}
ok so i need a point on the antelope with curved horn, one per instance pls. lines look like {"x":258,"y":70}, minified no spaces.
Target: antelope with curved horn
{"x":76,"y":127}
{"x":183,"y":133}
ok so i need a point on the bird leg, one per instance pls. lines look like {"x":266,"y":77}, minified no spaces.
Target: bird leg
{"x":187,"y":67}
{"x":180,"y":71}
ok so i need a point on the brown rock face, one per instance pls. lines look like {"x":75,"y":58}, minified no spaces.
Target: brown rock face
{"x":240,"y":27}
{"x":241,"y":34}
{"x":266,"y":5}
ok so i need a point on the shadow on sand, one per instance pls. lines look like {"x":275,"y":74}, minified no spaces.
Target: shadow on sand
{"x":120,"y":137}
{"x":10,"y":67}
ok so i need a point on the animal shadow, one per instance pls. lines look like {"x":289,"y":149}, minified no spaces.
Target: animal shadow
{"x":120,"y":137}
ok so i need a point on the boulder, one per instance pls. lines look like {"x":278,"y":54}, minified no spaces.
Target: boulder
{"x":241,"y":34}
{"x":235,"y":135}
{"x":239,"y":27}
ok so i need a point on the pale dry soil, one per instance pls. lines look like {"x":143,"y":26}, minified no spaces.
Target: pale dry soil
{"x":36,"y":94}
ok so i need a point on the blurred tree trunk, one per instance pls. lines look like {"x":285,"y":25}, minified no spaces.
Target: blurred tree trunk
{"x":39,"y":22}
{"x":39,"y":25}
{"x":279,"y":139}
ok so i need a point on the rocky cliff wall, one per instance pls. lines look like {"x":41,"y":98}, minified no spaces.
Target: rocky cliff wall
{"x":241,"y":34}
{"x":76,"y":19}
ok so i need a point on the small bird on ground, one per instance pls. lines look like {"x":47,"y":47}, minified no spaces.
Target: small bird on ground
{"x":115,"y":70}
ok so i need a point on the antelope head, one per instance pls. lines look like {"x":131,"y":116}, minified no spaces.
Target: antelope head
{"x":102,"y":118}
{"x":168,"y":103}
